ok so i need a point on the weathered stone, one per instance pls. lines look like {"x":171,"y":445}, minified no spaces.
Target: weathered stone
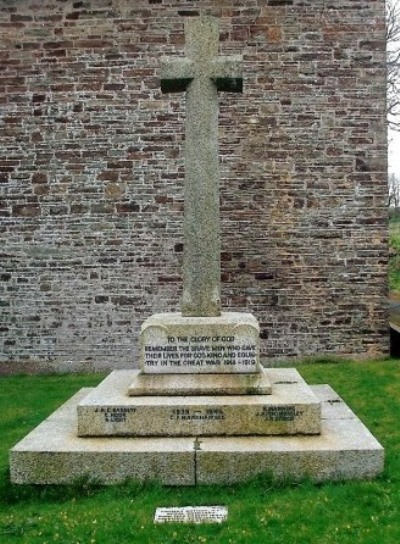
{"x":200,"y":384}
{"x":26,"y":210}
{"x":53,"y":454}
{"x":172,"y":344}
{"x":345,"y":449}
{"x":202,"y":73}
{"x":109,"y":411}
{"x":295,"y":189}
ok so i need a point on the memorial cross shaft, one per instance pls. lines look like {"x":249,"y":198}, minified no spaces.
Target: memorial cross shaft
{"x":202,"y":73}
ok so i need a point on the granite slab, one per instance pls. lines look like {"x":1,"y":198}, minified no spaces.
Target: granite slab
{"x":53,"y":453}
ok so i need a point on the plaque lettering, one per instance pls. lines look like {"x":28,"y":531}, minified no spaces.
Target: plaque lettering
{"x":279,"y":413}
{"x":195,"y":351}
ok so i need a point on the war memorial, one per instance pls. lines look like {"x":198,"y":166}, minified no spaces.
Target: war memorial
{"x":201,"y":408}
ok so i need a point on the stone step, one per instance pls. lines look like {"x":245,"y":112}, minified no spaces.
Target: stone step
{"x":292,"y":408}
{"x":199,"y":384}
{"x":53,"y":454}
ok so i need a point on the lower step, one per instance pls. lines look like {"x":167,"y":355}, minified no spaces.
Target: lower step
{"x":292,"y":408}
{"x":53,"y":454}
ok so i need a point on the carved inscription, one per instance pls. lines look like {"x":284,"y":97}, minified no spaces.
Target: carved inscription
{"x":201,"y":351}
{"x":189,"y":414}
{"x":279,"y":413}
{"x":191,"y":514}
{"x":115,"y":414}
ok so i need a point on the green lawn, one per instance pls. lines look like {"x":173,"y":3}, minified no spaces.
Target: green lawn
{"x":394,"y":260}
{"x":261,"y":511}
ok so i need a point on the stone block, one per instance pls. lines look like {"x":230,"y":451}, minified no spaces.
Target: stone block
{"x":109,"y":411}
{"x":199,"y":384}
{"x":345,"y":449}
{"x":53,"y":454}
{"x":173,"y":344}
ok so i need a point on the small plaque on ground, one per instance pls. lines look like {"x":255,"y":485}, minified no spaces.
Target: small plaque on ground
{"x":191,"y":514}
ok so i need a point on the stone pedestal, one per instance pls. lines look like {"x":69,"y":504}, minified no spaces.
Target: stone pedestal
{"x":174,"y":422}
{"x":54,"y":454}
{"x":109,"y":411}
{"x":173,"y":344}
{"x":199,"y":384}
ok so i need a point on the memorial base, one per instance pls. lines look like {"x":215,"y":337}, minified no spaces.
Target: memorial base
{"x":199,"y":384}
{"x":109,"y":411}
{"x":54,"y":454}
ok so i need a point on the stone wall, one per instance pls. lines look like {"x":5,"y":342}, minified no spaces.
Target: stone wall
{"x":91,"y":176}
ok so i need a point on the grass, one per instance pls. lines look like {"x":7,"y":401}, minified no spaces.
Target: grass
{"x":261,"y":511}
{"x":394,"y":260}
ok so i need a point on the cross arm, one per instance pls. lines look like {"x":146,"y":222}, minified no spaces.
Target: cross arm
{"x":227,"y":73}
{"x":176,"y":74}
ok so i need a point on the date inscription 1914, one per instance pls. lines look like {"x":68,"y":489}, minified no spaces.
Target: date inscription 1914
{"x":193,"y":414}
{"x":200,"y":351}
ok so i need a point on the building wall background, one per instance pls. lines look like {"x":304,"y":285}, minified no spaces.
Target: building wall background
{"x":91,"y":174}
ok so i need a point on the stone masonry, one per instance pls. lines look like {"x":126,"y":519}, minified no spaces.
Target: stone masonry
{"x":91,"y":176}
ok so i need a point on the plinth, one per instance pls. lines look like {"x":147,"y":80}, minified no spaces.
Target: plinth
{"x":184,"y":428}
{"x":53,"y":453}
{"x":109,"y":411}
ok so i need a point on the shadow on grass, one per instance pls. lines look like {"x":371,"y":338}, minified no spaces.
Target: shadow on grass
{"x":82,"y":487}
{"x":11,"y":493}
{"x":86,"y":486}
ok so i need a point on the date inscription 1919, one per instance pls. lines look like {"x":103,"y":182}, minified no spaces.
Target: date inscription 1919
{"x":200,"y":351}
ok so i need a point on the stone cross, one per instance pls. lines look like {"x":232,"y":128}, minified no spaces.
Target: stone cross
{"x":202,"y":73}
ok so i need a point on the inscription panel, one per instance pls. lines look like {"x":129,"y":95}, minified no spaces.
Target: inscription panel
{"x":200,"y":352}
{"x":191,"y":514}
{"x":114,"y":414}
{"x":200,"y":416}
{"x":279,"y":413}
{"x":193,"y":346}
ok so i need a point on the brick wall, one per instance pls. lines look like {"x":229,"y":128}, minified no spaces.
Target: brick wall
{"x":91,"y":175}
